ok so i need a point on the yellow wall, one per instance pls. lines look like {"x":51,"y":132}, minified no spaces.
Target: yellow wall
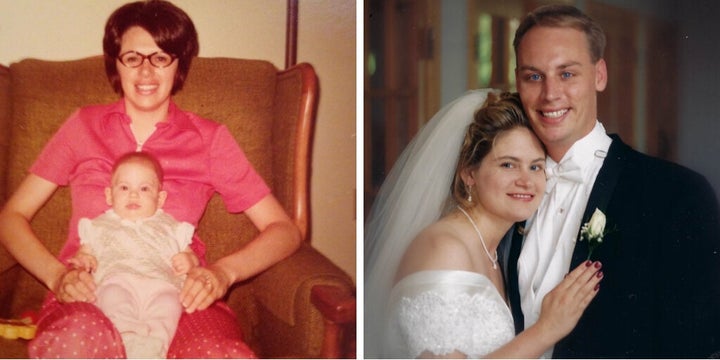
{"x":71,"y":29}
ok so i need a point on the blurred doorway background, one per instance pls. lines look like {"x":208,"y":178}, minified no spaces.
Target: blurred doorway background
{"x":421,"y":54}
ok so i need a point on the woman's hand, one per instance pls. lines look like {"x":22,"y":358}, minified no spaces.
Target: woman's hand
{"x":563,"y":306}
{"x":75,"y":285}
{"x":202,"y":287}
{"x":279,"y":237}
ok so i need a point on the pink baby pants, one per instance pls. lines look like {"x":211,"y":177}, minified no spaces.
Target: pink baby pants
{"x":144,"y":310}
{"x":81,"y":330}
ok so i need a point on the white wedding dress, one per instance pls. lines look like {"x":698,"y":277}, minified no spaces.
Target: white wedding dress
{"x":437,"y":311}
{"x":445,"y":311}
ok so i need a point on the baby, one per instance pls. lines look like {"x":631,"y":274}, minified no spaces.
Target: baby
{"x":139,"y":256}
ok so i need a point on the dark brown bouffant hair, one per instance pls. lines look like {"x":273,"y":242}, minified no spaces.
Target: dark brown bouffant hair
{"x":171,"y":28}
{"x":499,"y":114}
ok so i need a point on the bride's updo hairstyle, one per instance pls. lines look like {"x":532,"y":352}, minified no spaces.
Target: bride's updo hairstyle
{"x":498,"y":114}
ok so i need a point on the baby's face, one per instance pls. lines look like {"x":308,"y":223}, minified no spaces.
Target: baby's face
{"x":135,"y":191}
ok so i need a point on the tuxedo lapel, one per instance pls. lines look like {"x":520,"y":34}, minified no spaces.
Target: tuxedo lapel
{"x":518,"y":234}
{"x":601,"y":193}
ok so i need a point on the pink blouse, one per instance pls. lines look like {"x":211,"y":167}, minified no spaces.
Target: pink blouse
{"x":199,"y":157}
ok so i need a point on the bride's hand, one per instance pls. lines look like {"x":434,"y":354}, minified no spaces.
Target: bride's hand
{"x":563,"y":306}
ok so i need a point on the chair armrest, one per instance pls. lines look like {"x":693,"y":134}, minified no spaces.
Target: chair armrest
{"x":6,"y":260}
{"x":9,"y":272}
{"x":334,"y":303}
{"x":289,"y":324}
{"x":8,"y":280}
{"x":5,"y":125}
{"x":291,"y":280}
{"x":339,"y":310}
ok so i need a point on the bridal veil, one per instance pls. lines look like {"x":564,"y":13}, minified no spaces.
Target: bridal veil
{"x":415,"y":193}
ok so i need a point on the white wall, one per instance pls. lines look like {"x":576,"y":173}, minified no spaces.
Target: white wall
{"x":71,"y":29}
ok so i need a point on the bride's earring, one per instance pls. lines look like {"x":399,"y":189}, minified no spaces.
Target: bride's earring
{"x":469,"y":191}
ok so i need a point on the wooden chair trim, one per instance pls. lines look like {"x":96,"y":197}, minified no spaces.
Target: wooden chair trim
{"x":304,"y":139}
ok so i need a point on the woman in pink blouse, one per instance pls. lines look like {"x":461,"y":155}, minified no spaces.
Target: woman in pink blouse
{"x":148,"y":47}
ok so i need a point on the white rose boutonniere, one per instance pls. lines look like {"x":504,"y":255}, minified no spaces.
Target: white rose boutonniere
{"x":594,"y":230}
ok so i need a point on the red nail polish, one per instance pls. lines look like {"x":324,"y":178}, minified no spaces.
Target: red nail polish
{"x":597,"y":287}
{"x":598,"y":264}
{"x":588,"y":263}
{"x":600,"y":274}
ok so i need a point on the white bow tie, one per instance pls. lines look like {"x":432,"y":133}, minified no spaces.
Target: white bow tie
{"x":566,"y":170}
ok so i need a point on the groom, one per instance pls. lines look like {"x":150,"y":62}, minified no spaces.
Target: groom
{"x":661,"y":251}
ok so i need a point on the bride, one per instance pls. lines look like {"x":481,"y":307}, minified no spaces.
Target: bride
{"x":433,"y":283}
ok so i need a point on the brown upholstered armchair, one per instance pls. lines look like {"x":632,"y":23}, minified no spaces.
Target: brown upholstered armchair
{"x":298,"y":308}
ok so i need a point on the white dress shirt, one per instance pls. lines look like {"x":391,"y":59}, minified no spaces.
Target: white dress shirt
{"x":552,"y":232}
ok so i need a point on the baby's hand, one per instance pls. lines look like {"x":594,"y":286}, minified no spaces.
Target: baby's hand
{"x":83,"y":261}
{"x":182,"y":262}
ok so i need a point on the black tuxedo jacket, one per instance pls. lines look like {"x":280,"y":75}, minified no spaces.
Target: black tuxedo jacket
{"x":660,"y":296}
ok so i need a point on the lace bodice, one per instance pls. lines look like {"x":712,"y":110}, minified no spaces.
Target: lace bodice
{"x":444,"y":311}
